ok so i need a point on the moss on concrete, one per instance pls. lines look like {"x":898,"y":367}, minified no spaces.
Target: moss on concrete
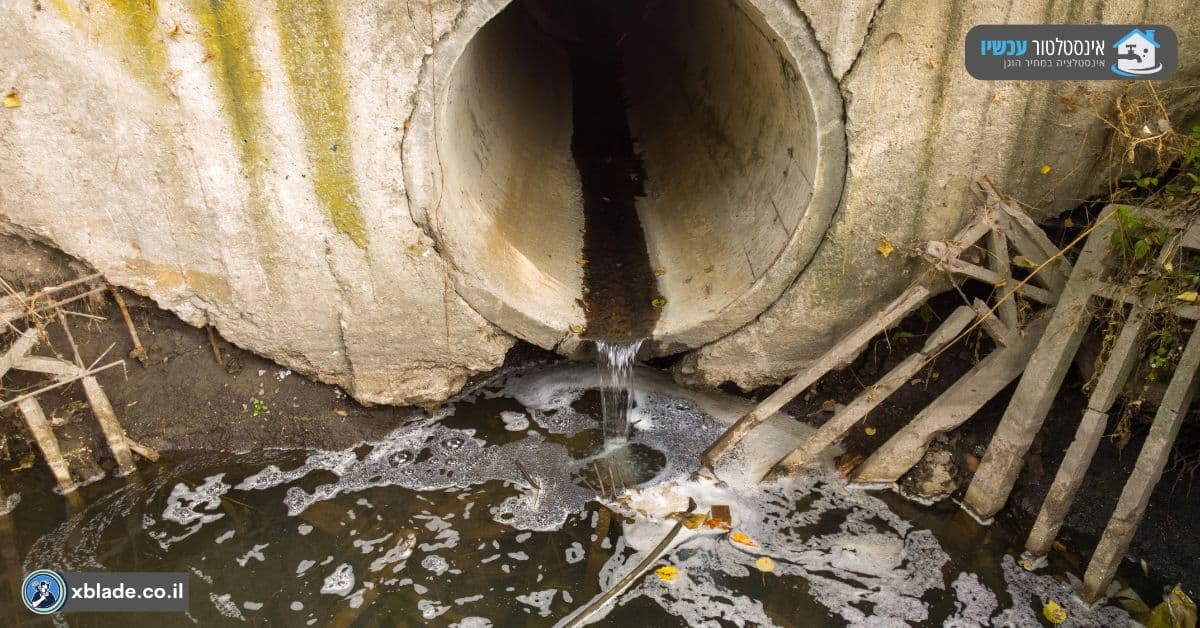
{"x":226,"y":32}
{"x":311,"y":41}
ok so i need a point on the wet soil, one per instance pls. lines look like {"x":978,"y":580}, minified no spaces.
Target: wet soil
{"x":620,"y":296}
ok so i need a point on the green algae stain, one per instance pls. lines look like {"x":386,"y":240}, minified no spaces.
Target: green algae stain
{"x":228,"y":42}
{"x":128,"y":28}
{"x":311,"y":41}
{"x":136,"y":25}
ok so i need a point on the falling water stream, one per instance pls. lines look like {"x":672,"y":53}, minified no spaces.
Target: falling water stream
{"x":616,"y":361}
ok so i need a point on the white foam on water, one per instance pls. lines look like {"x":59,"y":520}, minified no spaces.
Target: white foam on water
{"x":431,"y":609}
{"x":436,"y":564}
{"x":183,"y":502}
{"x":340,"y":582}
{"x":226,"y":606}
{"x":254,"y":553}
{"x":514,"y":421}
{"x":574,"y":553}
{"x":473,"y":622}
{"x":225,"y":536}
{"x":252,"y":606}
{"x":539,"y":600}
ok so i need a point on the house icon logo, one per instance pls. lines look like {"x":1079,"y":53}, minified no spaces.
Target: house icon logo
{"x":1137,"y":54}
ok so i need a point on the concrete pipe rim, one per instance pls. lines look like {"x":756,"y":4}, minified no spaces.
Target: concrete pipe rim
{"x":783,"y":24}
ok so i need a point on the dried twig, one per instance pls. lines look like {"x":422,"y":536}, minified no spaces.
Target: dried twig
{"x":139,"y":352}
{"x":212,"y":342}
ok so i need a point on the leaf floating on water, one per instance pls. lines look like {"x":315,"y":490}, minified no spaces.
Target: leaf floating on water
{"x":738,"y":537}
{"x":885,"y":249}
{"x":12,"y":99}
{"x":1054,"y":612}
{"x":765,"y":564}
{"x":667,"y":573}
{"x":659,"y":302}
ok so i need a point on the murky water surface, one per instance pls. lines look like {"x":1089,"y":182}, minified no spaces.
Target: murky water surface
{"x":485,"y":514}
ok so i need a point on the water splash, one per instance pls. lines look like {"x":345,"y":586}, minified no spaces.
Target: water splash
{"x":616,"y":362}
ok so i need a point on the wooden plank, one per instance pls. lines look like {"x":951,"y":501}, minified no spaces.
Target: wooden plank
{"x":952,"y":408}
{"x":19,"y":349}
{"x":841,"y":354}
{"x":941,"y":257}
{"x":50,"y":366}
{"x":999,"y":262}
{"x":1002,"y":333}
{"x":1067,"y":481}
{"x":841,"y":422}
{"x":1151,"y":461}
{"x":1035,"y":392}
{"x":109,"y":424}
{"x":35,"y":419}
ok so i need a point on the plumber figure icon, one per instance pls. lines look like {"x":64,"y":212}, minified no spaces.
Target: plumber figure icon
{"x":1137,"y":54}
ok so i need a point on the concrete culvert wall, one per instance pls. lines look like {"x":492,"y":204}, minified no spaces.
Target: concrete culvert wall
{"x":736,"y":119}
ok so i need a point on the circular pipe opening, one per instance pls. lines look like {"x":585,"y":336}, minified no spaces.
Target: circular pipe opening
{"x":736,"y":134}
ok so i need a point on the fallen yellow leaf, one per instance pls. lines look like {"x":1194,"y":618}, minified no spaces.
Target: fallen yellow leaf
{"x":765,"y":564}
{"x":660,"y":271}
{"x":666,"y":573}
{"x":1054,"y":612}
{"x":581,"y":261}
{"x":1024,"y":262}
{"x":1045,"y":169}
{"x":695,"y":520}
{"x":576,"y":328}
{"x":870,"y":431}
{"x":1067,"y":222}
{"x":738,"y":537}
{"x":885,"y":249}
{"x":1190,"y":296}
{"x":12,"y":99}
{"x":659,"y":302}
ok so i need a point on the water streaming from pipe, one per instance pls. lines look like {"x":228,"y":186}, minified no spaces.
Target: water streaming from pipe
{"x":616,"y":360}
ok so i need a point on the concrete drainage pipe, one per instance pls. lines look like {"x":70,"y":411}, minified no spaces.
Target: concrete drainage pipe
{"x":735,"y":116}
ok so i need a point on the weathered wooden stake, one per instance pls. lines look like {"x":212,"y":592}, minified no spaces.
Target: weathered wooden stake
{"x":1047,"y":368}
{"x":1069,"y":478}
{"x":841,"y":354}
{"x":35,"y":419}
{"x":835,"y":428}
{"x":1146,"y":473}
{"x":109,"y":424}
{"x":952,"y":408}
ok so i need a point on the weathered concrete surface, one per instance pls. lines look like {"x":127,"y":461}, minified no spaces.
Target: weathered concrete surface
{"x":919,"y":128}
{"x":242,"y":177}
{"x":243,"y":163}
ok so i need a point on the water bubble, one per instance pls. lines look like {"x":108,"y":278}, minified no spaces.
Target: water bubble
{"x":452,"y":443}
{"x":398,"y":458}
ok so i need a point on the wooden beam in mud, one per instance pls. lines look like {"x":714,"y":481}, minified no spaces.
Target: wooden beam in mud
{"x":1047,"y":368}
{"x":1121,"y":359}
{"x":835,"y":428}
{"x":1151,"y":461}
{"x":43,"y":435}
{"x":109,"y":425}
{"x":952,"y":408}
{"x":839,"y":356}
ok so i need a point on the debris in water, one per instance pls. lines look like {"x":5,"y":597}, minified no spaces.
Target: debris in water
{"x":666,"y":573}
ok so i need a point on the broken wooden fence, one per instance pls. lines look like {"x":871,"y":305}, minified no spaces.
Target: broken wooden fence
{"x":19,"y":357}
